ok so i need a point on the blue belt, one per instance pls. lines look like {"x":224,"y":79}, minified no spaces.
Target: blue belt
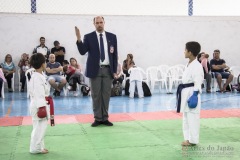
{"x":179,"y":92}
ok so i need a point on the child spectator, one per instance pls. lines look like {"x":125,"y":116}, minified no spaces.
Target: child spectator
{"x":135,"y":78}
{"x":24,"y":68}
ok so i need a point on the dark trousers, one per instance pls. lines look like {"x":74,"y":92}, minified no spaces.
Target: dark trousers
{"x":74,"y":79}
{"x":9,"y":80}
{"x":126,"y":89}
{"x":1,"y":85}
{"x":101,"y":92}
{"x":208,"y":78}
{"x":23,"y":80}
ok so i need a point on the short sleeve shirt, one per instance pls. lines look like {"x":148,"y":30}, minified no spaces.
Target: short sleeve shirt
{"x":53,"y":65}
{"x":217,"y":62}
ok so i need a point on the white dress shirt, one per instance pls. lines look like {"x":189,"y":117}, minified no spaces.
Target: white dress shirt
{"x":106,"y":61}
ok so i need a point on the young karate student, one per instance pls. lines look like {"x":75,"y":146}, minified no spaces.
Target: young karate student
{"x":38,"y":89}
{"x":188,"y":95}
{"x":135,"y":78}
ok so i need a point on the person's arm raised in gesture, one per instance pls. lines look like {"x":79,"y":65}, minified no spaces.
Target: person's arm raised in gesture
{"x":77,"y":31}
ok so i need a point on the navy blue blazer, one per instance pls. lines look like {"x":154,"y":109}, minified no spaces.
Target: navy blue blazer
{"x":90,"y":45}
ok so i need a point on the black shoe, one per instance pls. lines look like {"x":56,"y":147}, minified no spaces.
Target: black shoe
{"x":96,"y":123}
{"x":10,"y":90}
{"x":107,"y":123}
{"x":22,"y":90}
{"x":56,"y":93}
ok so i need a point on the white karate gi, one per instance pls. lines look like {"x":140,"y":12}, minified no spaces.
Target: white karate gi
{"x":193,"y":73}
{"x":135,"y":78}
{"x":38,"y":89}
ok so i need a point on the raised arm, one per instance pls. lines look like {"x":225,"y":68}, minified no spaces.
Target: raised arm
{"x":82,"y":46}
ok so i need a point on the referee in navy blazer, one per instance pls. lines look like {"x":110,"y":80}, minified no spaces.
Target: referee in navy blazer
{"x":101,"y":67}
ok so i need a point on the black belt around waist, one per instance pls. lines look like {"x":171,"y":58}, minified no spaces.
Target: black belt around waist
{"x":179,"y":92}
{"x":104,"y":66}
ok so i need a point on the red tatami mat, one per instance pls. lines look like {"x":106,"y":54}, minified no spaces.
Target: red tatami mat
{"x":11,"y":121}
{"x":118,"y":117}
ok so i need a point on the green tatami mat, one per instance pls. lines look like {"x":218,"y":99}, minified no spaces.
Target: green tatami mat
{"x":134,"y":140}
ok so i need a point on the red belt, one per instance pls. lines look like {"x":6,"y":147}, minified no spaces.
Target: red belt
{"x":50,"y":102}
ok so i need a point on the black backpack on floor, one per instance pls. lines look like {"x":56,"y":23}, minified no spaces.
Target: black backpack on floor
{"x":85,"y":90}
{"x":146,"y":90}
{"x":117,"y":89}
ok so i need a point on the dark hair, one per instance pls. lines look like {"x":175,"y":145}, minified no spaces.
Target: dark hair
{"x":7,"y":56}
{"x":217,"y":50}
{"x":130,"y":55}
{"x":42,"y":38}
{"x":55,"y":43}
{"x":37,"y":60}
{"x":96,"y":17}
{"x":193,"y":47}
{"x":65,"y":61}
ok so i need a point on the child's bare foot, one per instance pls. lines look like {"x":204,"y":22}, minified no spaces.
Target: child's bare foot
{"x":221,"y":90}
{"x":187,"y":143}
{"x":224,"y":87}
{"x":44,"y":151}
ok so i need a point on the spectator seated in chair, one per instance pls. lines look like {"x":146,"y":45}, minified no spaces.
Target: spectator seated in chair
{"x":53,"y":71}
{"x":74,"y":75}
{"x":203,"y":59}
{"x":24,"y":66}
{"x":218,"y":69}
{"x":8,"y":69}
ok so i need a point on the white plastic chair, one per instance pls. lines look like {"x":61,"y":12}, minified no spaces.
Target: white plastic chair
{"x":65,"y":90}
{"x":13,"y":81}
{"x":19,"y":80}
{"x":3,"y":90}
{"x":163,"y":73}
{"x":181,"y":66}
{"x":174,"y":75}
{"x":29,"y":71}
{"x":154,"y":77}
{"x":235,"y":71}
{"x":144,"y":75}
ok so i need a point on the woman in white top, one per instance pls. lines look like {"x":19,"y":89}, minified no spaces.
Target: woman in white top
{"x":38,"y":89}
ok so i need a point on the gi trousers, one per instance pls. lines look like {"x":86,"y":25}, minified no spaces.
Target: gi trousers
{"x":191,"y":125}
